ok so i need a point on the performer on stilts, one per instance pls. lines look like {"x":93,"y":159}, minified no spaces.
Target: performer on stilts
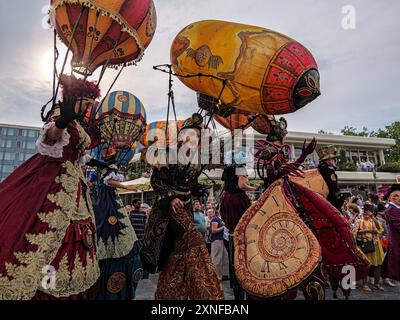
{"x":47,"y":226}
{"x":299,"y":232}
{"x":172,"y":246}
{"x":117,"y":245}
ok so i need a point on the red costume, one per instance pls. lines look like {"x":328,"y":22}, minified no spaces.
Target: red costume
{"x":47,"y":225}
{"x":392,"y":263}
{"x":47,"y":220}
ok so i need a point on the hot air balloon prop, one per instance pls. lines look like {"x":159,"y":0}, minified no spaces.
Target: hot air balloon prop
{"x":102,"y":32}
{"x":236,"y":120}
{"x":121,"y":120}
{"x":263,"y":124}
{"x":249,"y":68}
{"x":157,"y":133}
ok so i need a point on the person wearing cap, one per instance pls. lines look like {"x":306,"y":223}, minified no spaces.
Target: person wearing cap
{"x":327,"y":168}
{"x":366,"y":233}
{"x":172,"y":244}
{"x":392,"y":261}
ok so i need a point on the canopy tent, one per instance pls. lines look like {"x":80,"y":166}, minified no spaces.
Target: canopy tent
{"x":142,"y":185}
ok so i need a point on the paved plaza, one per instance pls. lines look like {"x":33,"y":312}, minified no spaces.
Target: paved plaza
{"x":147,"y":288}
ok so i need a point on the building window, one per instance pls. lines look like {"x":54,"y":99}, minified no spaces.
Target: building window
{"x":33,"y":134}
{"x":31,"y":145}
{"x":355,"y":157}
{"x":9,"y":156}
{"x":8,"y":169}
{"x":28,"y":145}
{"x":11,"y":132}
{"x":27,"y":156}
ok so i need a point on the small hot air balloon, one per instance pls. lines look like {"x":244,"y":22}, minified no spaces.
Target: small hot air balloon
{"x":121,"y":119}
{"x":265,"y":72}
{"x":263,"y":124}
{"x":156,"y":132}
{"x":107,"y":32}
{"x":236,"y":120}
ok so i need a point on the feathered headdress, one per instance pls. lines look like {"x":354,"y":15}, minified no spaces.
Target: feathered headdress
{"x":72,"y":86}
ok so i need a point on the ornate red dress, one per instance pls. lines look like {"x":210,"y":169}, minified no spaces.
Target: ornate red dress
{"x":47,"y":228}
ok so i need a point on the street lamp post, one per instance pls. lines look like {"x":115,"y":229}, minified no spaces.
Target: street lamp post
{"x":375,"y":178}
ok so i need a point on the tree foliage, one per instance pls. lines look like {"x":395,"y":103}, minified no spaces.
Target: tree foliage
{"x":392,"y":132}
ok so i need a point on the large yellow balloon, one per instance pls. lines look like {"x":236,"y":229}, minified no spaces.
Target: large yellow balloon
{"x":266,"y":72}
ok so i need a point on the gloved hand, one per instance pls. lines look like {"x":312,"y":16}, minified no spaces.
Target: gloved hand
{"x":307,"y":150}
{"x":97,"y":164}
{"x":67,"y":112}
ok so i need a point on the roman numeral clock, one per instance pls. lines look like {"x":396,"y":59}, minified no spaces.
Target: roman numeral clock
{"x":275,"y":250}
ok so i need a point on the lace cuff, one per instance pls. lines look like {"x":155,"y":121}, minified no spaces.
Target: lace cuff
{"x":113,"y":176}
{"x":50,"y":148}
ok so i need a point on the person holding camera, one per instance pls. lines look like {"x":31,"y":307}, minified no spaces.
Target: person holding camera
{"x":367,"y":231}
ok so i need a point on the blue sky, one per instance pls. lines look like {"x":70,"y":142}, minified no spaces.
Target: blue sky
{"x":359,"y":68}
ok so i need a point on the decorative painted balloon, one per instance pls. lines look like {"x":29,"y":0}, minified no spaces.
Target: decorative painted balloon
{"x":121,"y":119}
{"x":266,"y":72}
{"x":236,"y":120}
{"x":107,"y":32}
{"x":156,"y":132}
{"x":263,"y":124}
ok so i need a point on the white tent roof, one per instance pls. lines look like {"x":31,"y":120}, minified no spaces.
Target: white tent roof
{"x":139,"y":181}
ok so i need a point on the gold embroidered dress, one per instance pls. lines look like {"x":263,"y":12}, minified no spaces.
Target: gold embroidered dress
{"x":47,"y":230}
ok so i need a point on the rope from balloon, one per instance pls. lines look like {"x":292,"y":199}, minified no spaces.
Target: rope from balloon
{"x":55,"y":58}
{"x":103,"y":70}
{"x":54,"y":98}
{"x":112,"y":85}
{"x":171,"y":100}
{"x":167,"y":68}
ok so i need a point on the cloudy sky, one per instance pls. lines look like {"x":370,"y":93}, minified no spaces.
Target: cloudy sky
{"x":359,"y":68}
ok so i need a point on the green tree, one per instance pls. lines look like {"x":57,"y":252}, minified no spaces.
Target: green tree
{"x":351,"y":131}
{"x":392,"y":132}
{"x":322,"y":131}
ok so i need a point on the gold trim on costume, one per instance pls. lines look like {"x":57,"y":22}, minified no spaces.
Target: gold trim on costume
{"x":23,"y":279}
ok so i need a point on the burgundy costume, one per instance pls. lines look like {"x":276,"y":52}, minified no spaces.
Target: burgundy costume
{"x":338,"y":248}
{"x":392,"y":263}
{"x":47,"y":221}
{"x":234,"y":201}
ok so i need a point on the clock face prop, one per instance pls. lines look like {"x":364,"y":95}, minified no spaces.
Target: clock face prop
{"x":314,"y":181}
{"x":275,"y":250}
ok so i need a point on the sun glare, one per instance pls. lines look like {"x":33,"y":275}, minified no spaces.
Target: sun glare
{"x":47,"y":65}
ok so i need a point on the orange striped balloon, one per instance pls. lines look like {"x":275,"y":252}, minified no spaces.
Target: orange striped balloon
{"x":113,"y":32}
{"x":237,"y":120}
{"x":155,"y":133}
